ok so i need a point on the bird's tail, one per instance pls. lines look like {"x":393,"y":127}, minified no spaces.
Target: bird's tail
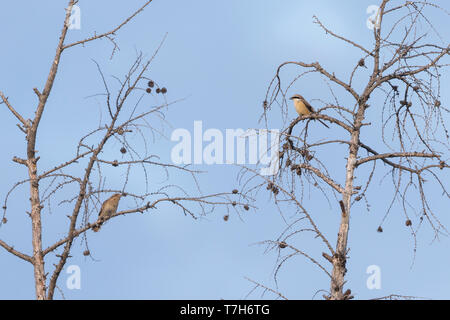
{"x":323,"y":123}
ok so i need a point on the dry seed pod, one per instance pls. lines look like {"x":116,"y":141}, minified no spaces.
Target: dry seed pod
{"x":282,"y":245}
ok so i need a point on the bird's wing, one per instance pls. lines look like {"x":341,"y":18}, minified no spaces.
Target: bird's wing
{"x":102,"y":209}
{"x":308,"y":106}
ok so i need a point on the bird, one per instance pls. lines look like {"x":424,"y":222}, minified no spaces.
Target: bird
{"x":109,"y":207}
{"x":303,"y":107}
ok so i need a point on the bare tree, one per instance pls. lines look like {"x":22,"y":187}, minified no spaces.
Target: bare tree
{"x":406,"y":133}
{"x":78,"y":185}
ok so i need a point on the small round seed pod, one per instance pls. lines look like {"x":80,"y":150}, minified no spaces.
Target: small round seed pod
{"x":282,"y":245}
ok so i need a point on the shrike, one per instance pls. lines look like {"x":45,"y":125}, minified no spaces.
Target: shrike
{"x":303,"y":107}
{"x":109,"y":207}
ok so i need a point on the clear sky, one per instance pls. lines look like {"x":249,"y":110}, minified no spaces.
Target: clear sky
{"x":220,"y":56}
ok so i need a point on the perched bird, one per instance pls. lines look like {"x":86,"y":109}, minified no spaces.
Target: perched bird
{"x":109,"y":207}
{"x":303,"y":107}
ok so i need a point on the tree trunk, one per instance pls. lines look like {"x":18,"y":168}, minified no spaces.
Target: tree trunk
{"x":38,"y":258}
{"x":340,"y":257}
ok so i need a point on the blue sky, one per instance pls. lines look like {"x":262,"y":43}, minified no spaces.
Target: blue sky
{"x":220,"y":56}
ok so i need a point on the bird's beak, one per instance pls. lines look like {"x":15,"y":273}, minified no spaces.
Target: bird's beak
{"x":291,"y":98}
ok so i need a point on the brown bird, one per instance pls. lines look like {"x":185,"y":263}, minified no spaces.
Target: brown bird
{"x":109,"y":207}
{"x":303,"y":107}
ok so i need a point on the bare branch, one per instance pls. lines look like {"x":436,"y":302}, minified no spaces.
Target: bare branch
{"x":319,"y":173}
{"x":396,"y":155}
{"x":109,"y":33}
{"x":74,"y":160}
{"x":15,"y":252}
{"x":266,"y":288}
{"x":328,"y":31}
{"x":18,"y":116}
